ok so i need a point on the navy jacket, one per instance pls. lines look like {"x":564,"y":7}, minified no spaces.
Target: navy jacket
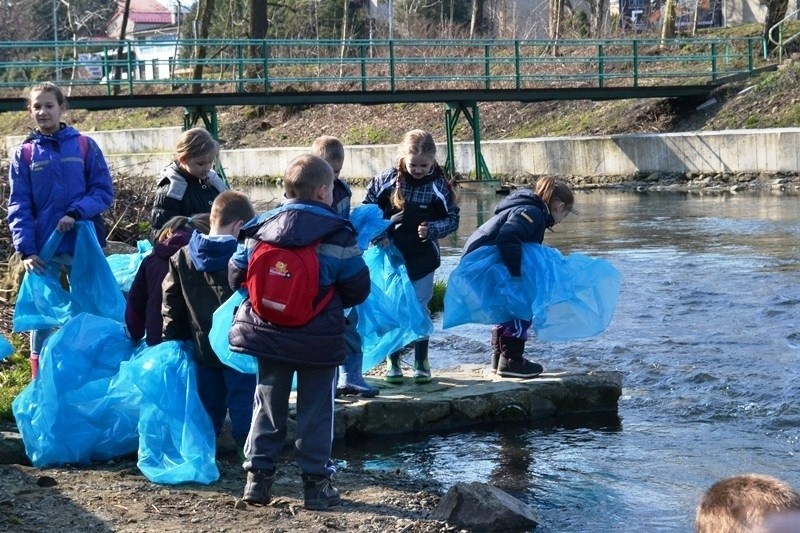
{"x":181,"y":194}
{"x":519,"y":218}
{"x":320,"y":342}
{"x":143,"y":310}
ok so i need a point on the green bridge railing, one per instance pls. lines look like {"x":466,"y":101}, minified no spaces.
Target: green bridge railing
{"x":267,"y":66}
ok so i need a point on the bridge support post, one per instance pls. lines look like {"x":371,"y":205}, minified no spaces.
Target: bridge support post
{"x":453,"y":111}
{"x":208,"y":114}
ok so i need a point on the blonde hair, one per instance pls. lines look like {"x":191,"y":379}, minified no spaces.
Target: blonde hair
{"x":550,"y":189}
{"x":199,"y":222}
{"x":231,"y":206}
{"x":305,"y":175}
{"x":740,"y":503}
{"x":328,"y":148}
{"x":415,"y":142}
{"x":47,"y":87}
{"x":196,"y":142}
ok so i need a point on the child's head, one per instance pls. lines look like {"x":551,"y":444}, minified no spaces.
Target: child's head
{"x":199,"y":222}
{"x":309,"y":177}
{"x":229,"y":212}
{"x":331,"y":150}
{"x":46,"y":103}
{"x":417,"y":155}
{"x":740,"y":503}
{"x":558,"y":197}
{"x":196,"y":152}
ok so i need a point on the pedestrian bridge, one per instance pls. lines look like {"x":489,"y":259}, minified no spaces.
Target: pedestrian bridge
{"x":200,"y":75}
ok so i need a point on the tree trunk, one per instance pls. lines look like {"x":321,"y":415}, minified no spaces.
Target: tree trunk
{"x":668,"y":21}
{"x":476,"y":23}
{"x":121,"y":49}
{"x":206,"y":12}
{"x":600,"y":16}
{"x":554,"y":26}
{"x":258,"y":24}
{"x":776,"y":11}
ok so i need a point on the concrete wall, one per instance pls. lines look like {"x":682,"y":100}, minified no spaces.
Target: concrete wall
{"x":144,"y":152}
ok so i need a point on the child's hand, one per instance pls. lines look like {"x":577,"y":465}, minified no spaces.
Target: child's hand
{"x":67,"y":223}
{"x":422,"y":230}
{"x":33,"y":263}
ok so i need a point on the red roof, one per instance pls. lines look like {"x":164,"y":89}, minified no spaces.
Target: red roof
{"x":148,"y":12}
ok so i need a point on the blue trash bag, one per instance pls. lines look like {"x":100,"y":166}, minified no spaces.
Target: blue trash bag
{"x":390,"y":281}
{"x":369,"y":223}
{"x":218,"y":336}
{"x":6,"y":348}
{"x":567,"y":298}
{"x":177,"y":443}
{"x":125,"y":266}
{"x":42,"y":303}
{"x":78,"y":410}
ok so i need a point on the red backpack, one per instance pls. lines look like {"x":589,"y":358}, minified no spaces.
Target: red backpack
{"x":283,"y":284}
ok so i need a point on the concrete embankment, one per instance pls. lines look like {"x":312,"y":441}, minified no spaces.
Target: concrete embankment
{"x":456,"y":398}
{"x":766,"y":151}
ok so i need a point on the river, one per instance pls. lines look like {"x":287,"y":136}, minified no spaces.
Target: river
{"x":706,"y":336}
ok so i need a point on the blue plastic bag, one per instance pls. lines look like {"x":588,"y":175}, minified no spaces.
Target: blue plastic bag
{"x":368,"y":221}
{"x":218,"y":336}
{"x":177,"y":443}
{"x":567,"y":298}
{"x":390,"y":283}
{"x":6,"y":348}
{"x":77,"y":410}
{"x":125,"y":266}
{"x":42,"y":303}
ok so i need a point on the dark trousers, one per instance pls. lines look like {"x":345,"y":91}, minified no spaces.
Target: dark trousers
{"x":314,"y":439}
{"x":226,"y":390}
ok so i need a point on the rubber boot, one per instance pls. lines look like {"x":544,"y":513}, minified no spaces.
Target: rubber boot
{"x":351,"y":382}
{"x":394,"y":374}
{"x":422,"y":369}
{"x":34,"y":365}
{"x":258,"y":487}
{"x":512,"y":363}
{"x":495,"y":348}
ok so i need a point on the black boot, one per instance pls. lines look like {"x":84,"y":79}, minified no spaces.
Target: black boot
{"x":495,"y":348}
{"x":422,"y":368}
{"x":512,"y":364}
{"x":319,"y":493}
{"x":394,"y":374}
{"x":258,"y":487}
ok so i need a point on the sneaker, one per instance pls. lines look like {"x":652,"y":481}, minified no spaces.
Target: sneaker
{"x":258,"y":487}
{"x":319,"y":493}
{"x":518,"y":368}
{"x":394,"y":374}
{"x":355,"y":390}
{"x":422,"y":372}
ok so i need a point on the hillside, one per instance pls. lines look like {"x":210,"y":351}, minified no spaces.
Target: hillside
{"x":767,"y":101}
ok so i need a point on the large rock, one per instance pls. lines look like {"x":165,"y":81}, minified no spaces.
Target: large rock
{"x":12,"y":450}
{"x":481,"y":507}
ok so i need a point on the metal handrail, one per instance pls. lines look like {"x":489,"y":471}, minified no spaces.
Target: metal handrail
{"x":781,"y":44}
{"x":378,"y":65}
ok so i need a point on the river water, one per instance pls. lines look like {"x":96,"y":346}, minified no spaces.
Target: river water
{"x":706,"y":336}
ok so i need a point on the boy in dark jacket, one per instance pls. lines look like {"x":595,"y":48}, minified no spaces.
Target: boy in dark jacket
{"x":195,"y":286}
{"x":313,"y":349}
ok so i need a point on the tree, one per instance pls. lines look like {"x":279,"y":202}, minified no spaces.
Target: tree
{"x":203,"y":25}
{"x":476,"y":21}
{"x":668,"y":21}
{"x":776,"y":11}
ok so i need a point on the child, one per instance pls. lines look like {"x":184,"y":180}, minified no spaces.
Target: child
{"x":57,"y":176}
{"x":741,"y":503}
{"x":521,"y":217}
{"x":418,"y":199}
{"x":351,"y":382}
{"x":188,"y":185}
{"x":143,"y":309}
{"x":313,"y":349}
{"x":195,"y":286}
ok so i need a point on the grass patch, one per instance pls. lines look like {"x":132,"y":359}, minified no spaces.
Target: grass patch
{"x":436,"y":304}
{"x":15,"y":374}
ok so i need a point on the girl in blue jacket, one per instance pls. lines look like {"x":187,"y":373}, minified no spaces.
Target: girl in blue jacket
{"x":57,"y":176}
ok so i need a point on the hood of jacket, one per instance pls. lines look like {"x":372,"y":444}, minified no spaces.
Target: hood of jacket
{"x":175,"y":242}
{"x":297,"y":223}
{"x":211,"y":253}
{"x":524,"y":198}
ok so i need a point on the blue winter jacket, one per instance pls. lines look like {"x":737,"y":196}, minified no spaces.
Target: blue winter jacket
{"x":320,"y":342}
{"x":58,"y":181}
{"x":519,"y":218}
